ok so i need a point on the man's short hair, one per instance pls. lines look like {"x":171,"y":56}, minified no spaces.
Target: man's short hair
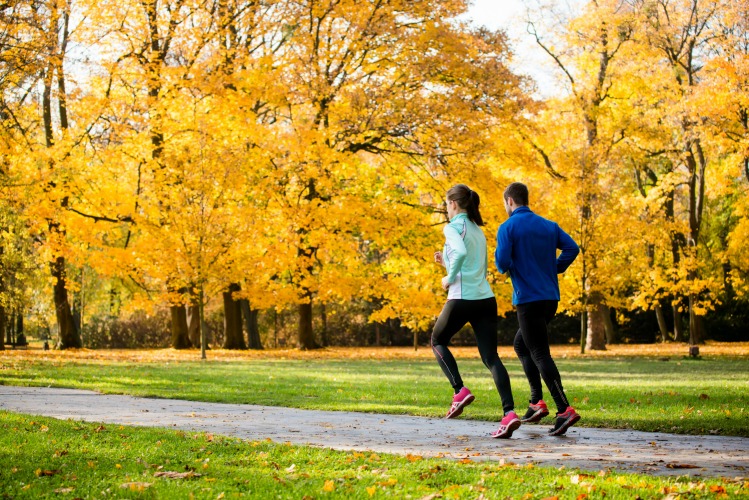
{"x":518,"y":192}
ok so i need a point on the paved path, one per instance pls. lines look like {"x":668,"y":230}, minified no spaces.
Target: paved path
{"x":590,"y":449}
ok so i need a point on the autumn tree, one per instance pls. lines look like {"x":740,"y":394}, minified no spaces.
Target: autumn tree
{"x":585,"y":51}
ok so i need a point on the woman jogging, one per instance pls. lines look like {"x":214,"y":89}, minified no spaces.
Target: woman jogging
{"x":469,"y":300}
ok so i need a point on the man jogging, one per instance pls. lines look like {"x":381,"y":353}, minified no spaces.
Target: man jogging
{"x":527,"y":248}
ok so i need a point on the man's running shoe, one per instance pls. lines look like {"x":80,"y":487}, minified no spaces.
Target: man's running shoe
{"x":507,"y":426}
{"x":462,"y":399}
{"x":564,"y":421}
{"x":535,"y":412}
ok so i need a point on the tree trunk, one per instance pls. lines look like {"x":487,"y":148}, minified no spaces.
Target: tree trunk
{"x":250,"y":322}
{"x":608,"y":325}
{"x":324,"y":332}
{"x":69,"y":335}
{"x":3,"y":321}
{"x":180,"y":339}
{"x":233,"y":334}
{"x":193,"y":322}
{"x":596,"y":335}
{"x":595,"y":338}
{"x":305,"y":332}
{"x":696,"y":324}
{"x":662,"y":327}
{"x":377,"y":334}
{"x":275,"y":328}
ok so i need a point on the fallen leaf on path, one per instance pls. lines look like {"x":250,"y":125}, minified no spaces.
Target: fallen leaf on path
{"x":682,"y":466}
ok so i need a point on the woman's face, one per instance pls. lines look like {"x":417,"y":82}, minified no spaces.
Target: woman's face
{"x":452,"y":208}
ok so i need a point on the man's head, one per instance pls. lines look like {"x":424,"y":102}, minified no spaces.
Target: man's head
{"x":516,"y":195}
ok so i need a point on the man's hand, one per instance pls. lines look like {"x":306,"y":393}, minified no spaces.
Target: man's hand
{"x":445,"y":283}
{"x":438,"y":258}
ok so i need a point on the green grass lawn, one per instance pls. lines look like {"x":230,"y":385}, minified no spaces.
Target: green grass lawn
{"x":693,"y":396}
{"x":48,"y":458}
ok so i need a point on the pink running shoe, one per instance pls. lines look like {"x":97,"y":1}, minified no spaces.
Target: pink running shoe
{"x":535,"y":412}
{"x":462,"y":399}
{"x":564,"y":421}
{"x":507,"y":426}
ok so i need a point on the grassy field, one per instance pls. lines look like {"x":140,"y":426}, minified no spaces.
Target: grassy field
{"x":48,"y":458}
{"x":650,"y":388}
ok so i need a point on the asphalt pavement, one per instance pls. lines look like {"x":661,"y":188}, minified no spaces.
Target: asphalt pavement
{"x":585,"y":448}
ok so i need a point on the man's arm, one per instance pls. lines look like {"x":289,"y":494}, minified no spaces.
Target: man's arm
{"x":503,"y":253}
{"x":459,"y":252}
{"x":569,"y":250}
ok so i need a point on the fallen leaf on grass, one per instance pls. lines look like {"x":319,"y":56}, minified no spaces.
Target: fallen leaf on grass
{"x":136,"y":486}
{"x":40,"y":472}
{"x":64,"y":490}
{"x":413,"y":458}
{"x":716,"y":488}
{"x":329,"y":486}
{"x":389,"y":482}
{"x":371,"y":490}
{"x":176,"y":475}
{"x":578,"y":478}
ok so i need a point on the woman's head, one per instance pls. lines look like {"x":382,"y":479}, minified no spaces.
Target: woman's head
{"x":461,"y":198}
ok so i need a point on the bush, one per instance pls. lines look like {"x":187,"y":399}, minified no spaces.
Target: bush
{"x":138,"y":330}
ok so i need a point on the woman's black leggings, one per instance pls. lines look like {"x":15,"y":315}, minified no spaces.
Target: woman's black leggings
{"x":482,"y":315}
{"x":532,"y":347}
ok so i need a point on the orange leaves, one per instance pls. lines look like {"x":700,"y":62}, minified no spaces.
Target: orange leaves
{"x":175,"y":355}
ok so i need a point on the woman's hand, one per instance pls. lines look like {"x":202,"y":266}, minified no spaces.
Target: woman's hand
{"x":445,"y":283}
{"x":438,"y":258}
